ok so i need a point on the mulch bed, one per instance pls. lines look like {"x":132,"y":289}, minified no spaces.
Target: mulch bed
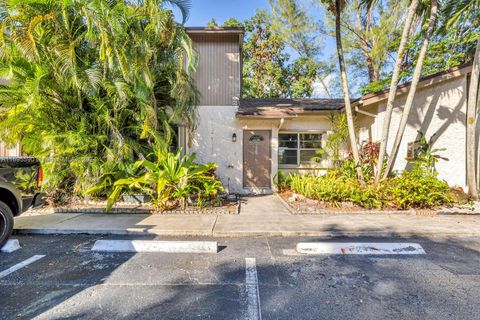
{"x":298,"y":204}
{"x":120,"y":208}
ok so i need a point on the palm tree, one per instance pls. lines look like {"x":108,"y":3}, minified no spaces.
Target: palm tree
{"x":413,"y":87}
{"x":393,"y":86}
{"x":94,"y":82}
{"x":336,"y":8}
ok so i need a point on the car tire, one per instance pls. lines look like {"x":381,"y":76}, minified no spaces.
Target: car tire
{"x":6,"y":223}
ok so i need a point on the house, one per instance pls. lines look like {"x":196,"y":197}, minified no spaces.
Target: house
{"x":439,"y":112}
{"x":251,"y":140}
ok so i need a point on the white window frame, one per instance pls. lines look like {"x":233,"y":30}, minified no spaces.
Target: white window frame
{"x":298,"y":133}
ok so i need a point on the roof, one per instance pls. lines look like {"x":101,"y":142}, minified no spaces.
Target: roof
{"x":203,"y":30}
{"x":285,"y":108}
{"x":424,"y":82}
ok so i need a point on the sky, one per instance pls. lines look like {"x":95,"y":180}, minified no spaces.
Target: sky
{"x":204,"y":10}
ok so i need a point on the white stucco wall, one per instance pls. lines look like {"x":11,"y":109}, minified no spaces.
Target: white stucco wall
{"x":438,"y":110}
{"x":212,"y":141}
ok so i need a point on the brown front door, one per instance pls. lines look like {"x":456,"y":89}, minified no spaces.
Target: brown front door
{"x":257,"y":159}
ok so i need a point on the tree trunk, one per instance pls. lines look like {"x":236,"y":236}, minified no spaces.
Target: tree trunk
{"x":472,"y":125}
{"x":346,"y":95}
{"x":413,"y":88}
{"x":393,"y":88}
{"x":372,"y":75}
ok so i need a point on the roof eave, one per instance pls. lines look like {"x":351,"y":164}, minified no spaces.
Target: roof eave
{"x":404,"y":88}
{"x":203,"y":30}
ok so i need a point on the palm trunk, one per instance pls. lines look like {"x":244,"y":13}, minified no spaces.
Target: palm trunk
{"x":393,"y":88}
{"x":346,"y":95}
{"x":472,"y":125}
{"x":413,"y":88}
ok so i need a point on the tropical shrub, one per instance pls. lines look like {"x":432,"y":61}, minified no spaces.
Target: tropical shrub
{"x":416,"y":188}
{"x":281,"y":181}
{"x":91,"y":85}
{"x":171,"y":181}
{"x":335,"y":189}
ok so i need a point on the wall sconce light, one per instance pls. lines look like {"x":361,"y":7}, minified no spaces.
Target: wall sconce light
{"x":234,"y":137}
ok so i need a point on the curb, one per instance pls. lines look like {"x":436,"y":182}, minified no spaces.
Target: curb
{"x":119,"y":232}
{"x":230,"y":234}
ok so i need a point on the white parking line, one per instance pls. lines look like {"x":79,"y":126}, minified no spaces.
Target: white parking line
{"x":253,"y":295}
{"x":363,"y":248}
{"x":20,"y":265}
{"x":155,"y":246}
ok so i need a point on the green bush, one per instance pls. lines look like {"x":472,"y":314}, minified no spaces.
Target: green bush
{"x":417,"y":188}
{"x":171,"y":181}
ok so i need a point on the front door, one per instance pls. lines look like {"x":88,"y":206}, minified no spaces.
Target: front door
{"x":257,"y":159}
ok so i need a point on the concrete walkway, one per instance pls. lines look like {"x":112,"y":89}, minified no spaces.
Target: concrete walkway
{"x":260,"y":216}
{"x":261,"y":206}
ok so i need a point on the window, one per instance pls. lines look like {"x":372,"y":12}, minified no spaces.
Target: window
{"x":298,"y":148}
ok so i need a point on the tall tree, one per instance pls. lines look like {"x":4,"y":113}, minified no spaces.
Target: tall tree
{"x":336,"y":7}
{"x":413,"y":87}
{"x":298,"y":29}
{"x":393,"y":88}
{"x":304,"y":35}
{"x":370,"y":34}
{"x":265,"y":72}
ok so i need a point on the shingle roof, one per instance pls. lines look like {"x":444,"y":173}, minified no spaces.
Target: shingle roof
{"x":281,"y":108}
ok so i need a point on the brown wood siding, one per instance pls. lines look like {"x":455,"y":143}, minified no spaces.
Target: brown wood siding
{"x":218,"y":72}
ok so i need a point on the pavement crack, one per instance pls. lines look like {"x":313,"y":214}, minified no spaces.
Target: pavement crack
{"x":214,"y":225}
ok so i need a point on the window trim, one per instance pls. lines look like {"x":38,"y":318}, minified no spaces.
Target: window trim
{"x":298,"y":149}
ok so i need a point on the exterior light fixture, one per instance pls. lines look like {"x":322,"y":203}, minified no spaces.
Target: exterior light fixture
{"x":234,"y":137}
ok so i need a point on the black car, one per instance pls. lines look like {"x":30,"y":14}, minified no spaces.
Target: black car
{"x":20,"y":181}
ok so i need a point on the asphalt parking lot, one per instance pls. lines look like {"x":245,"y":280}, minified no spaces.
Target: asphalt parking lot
{"x":256,"y":278}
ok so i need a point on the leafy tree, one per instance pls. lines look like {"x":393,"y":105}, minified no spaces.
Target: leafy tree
{"x":212,"y":23}
{"x":265,"y":73}
{"x":232,"y":22}
{"x":448,"y":47}
{"x":268,"y":70}
{"x":371,"y":36}
{"x":304,"y":73}
{"x":298,"y":29}
{"x":92,"y":85}
{"x":303,"y":34}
